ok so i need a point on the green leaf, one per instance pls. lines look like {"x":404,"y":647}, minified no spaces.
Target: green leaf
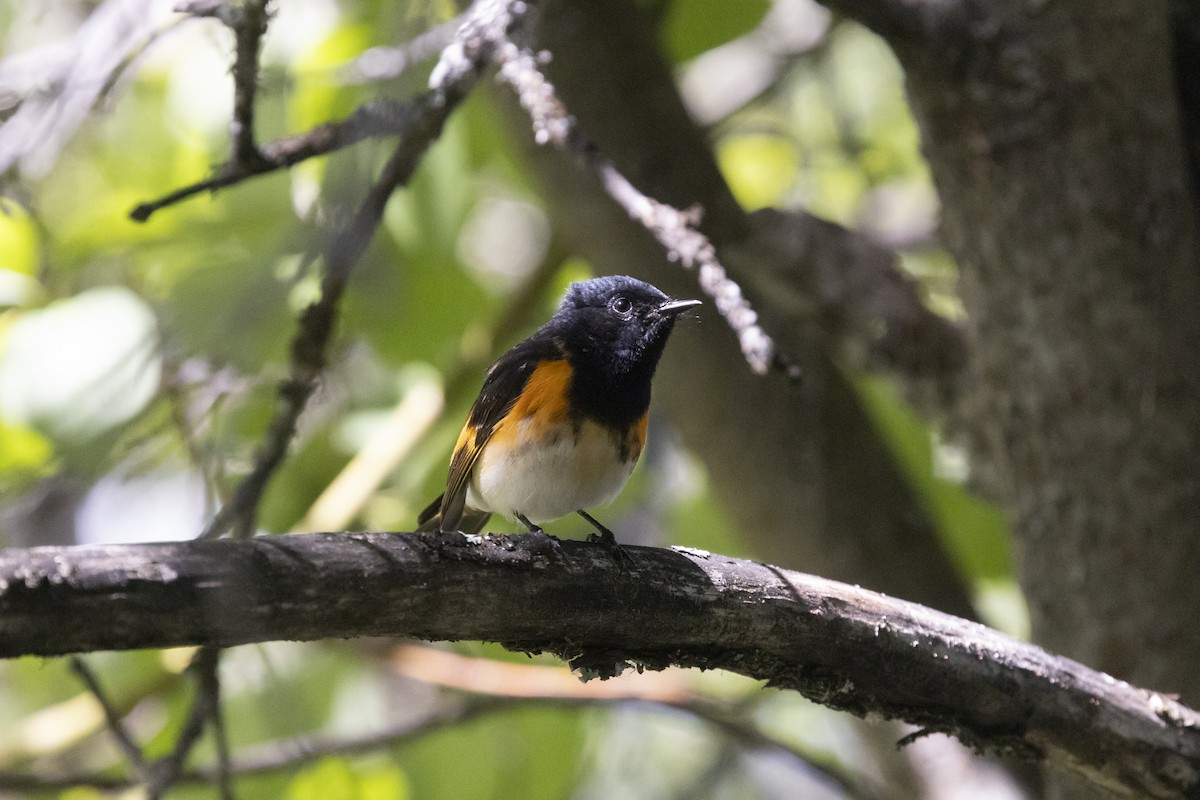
{"x":328,"y":779}
{"x":759,"y":168}
{"x":335,"y":778}
{"x":20,"y":246}
{"x":529,"y":753}
{"x":25,"y":455}
{"x":383,"y":782}
{"x":693,"y":26}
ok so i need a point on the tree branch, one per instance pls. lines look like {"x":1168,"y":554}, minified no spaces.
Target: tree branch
{"x":290,"y":754}
{"x":133,"y":753}
{"x":316,"y":323}
{"x":678,"y":231}
{"x":845,"y":647}
{"x":455,"y":75}
{"x":482,"y":26}
{"x":375,"y":119}
{"x":252,"y":26}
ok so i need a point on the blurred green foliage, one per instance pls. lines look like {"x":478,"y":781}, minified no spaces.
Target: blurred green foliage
{"x":691,"y":27}
{"x":127,"y":347}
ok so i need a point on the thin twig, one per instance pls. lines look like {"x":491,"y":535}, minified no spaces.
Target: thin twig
{"x":291,"y":753}
{"x":251,"y":27}
{"x":452,"y":80}
{"x":167,"y":770}
{"x":57,"y":98}
{"x":385,"y":63}
{"x":749,"y":736}
{"x":209,"y":680}
{"x":484,"y":677}
{"x":677,"y":231}
{"x":316,"y":328}
{"x":124,"y":739}
{"x":461,"y":62}
{"x":375,"y":119}
{"x":283,"y":754}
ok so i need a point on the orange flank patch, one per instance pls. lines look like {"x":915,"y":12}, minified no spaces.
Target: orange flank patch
{"x":635,"y":438}
{"x":541,"y":406}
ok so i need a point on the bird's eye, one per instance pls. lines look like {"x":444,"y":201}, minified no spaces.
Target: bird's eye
{"x":621,"y":305}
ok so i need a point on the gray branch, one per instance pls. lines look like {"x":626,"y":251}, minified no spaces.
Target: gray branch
{"x":842,"y":646}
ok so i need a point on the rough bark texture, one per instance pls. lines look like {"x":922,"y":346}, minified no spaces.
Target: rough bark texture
{"x":1056,"y":148}
{"x":842,"y":646}
{"x":1054,"y":135}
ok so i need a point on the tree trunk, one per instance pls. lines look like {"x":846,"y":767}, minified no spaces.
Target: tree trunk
{"x":1056,"y":147}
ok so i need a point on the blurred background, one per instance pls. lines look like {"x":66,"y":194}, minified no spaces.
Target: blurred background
{"x":139,"y":364}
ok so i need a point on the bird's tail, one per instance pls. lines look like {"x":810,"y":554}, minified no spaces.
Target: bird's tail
{"x":430,"y":520}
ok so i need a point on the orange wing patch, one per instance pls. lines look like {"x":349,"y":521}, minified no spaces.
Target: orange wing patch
{"x":466,"y":453}
{"x":542,"y":404}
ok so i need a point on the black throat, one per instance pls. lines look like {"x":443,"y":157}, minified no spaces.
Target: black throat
{"x":610,"y":387}
{"x":613,"y":400}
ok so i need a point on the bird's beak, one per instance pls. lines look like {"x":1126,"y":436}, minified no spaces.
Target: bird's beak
{"x":673,"y":308}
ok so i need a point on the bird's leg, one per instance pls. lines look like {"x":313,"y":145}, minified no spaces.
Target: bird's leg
{"x":524,"y":520}
{"x":605,"y":537}
{"x":544,"y":542}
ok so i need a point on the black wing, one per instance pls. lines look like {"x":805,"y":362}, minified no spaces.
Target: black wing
{"x":505,"y":381}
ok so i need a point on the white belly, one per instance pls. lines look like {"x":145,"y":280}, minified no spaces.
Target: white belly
{"x":552,"y":480}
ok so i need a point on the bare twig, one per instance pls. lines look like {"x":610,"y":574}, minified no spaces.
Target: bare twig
{"x":677,"y":231}
{"x":71,"y":79}
{"x":839,"y":645}
{"x":383,"y":63}
{"x":460,"y":64}
{"x":209,"y":683}
{"x":735,"y":726}
{"x":316,"y":327}
{"x":276,"y":756}
{"x":167,"y":770}
{"x":456,"y":75}
{"x":253,"y":18}
{"x":125,"y":741}
{"x":291,"y":753}
{"x":489,"y":678}
{"x":158,"y":776}
{"x":375,"y":119}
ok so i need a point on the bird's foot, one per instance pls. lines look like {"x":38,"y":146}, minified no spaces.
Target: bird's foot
{"x":605,"y":537}
{"x":524,"y":520}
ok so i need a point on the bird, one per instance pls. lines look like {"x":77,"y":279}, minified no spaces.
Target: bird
{"x":561,"y":418}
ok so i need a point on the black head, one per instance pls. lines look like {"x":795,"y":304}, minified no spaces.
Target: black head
{"x":614,"y":330}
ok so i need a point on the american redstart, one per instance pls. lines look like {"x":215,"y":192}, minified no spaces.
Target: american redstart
{"x":561,"y":419}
